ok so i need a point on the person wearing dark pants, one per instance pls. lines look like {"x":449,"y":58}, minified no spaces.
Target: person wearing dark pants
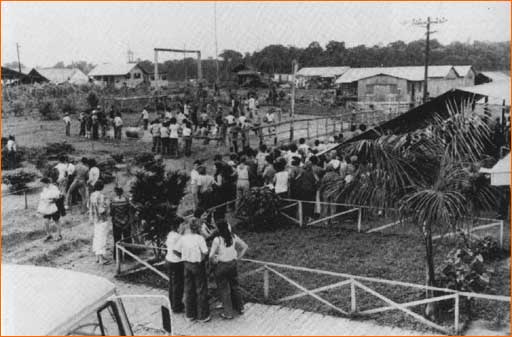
{"x":175,"y":269}
{"x":193,"y":250}
{"x":224,"y":254}
{"x":120,"y":212}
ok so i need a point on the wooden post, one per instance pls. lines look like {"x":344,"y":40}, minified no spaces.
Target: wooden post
{"x":118,"y":260}
{"x":307,"y":128}
{"x":501,"y":234}
{"x":359,"y":217}
{"x":266,"y":283}
{"x":456,"y":315}
{"x":26,"y":206}
{"x":316,"y":122}
{"x":353,"y":303}
{"x":301,"y":223}
{"x":292,"y":110}
{"x":326,"y":126}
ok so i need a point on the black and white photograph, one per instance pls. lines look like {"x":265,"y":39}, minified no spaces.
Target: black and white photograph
{"x":259,"y":168}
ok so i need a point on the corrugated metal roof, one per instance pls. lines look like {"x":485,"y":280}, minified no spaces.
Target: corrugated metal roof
{"x":414,"y":73}
{"x":498,"y":89}
{"x":496,"y":75}
{"x":61,"y":75}
{"x":109,"y":69}
{"x":322,"y":71}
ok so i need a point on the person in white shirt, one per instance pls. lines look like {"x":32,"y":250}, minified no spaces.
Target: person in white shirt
{"x":67,"y":123}
{"x":224,"y":254}
{"x":94,"y":174}
{"x":118,"y":126}
{"x":173,"y":137}
{"x":48,"y":208}
{"x":168,"y":115}
{"x":155,"y":132}
{"x":194,"y":178}
{"x":62,"y":169}
{"x":303,"y":147}
{"x":192,"y":249}
{"x":252,"y":104}
{"x":145,"y":118}
{"x":242,"y":183}
{"x":281,"y":179}
{"x":175,"y":269}
{"x":187,"y":138}
{"x":164,"y":138}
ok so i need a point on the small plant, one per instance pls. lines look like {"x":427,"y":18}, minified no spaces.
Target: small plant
{"x":488,"y":248}
{"x":107,"y":168}
{"x":261,"y":206}
{"x":143,"y":159}
{"x":68,"y":105}
{"x":18,"y":179}
{"x":117,"y":157}
{"x":48,"y":111}
{"x":59,"y":148}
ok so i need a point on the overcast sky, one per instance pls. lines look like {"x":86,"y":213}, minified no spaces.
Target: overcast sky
{"x":103,"y":32}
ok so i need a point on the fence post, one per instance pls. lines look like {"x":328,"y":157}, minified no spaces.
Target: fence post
{"x":317,"y":133}
{"x":266,"y":285}
{"x":307,"y":128}
{"x":501,"y":234}
{"x":326,"y":126}
{"x":26,"y":205}
{"x":456,"y":315}
{"x":300,"y":213}
{"x":353,"y":303}
{"x":359,"y":217}
{"x":118,"y":260}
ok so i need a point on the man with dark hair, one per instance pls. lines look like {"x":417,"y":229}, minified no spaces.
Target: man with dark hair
{"x":79,"y":183}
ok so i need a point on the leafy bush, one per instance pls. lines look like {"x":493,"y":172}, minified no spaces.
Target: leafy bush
{"x":488,"y":248}
{"x":143,"y":159}
{"x":107,"y":168}
{"x":48,"y":111}
{"x":117,"y":157}
{"x":20,"y":156}
{"x":18,"y":179}
{"x":93,"y":99}
{"x":261,"y":206}
{"x":68,"y":105}
{"x":39,"y":156}
{"x":156,"y":195}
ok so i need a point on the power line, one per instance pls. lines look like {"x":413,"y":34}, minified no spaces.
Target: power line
{"x":427,"y":23}
{"x":18,"y":52}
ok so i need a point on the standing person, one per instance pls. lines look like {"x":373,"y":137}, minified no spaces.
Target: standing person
{"x":205,"y":188}
{"x":118,"y":126}
{"x":221,"y":187}
{"x":145,"y":118}
{"x":81,"y":119}
{"x":224,"y":254}
{"x":193,"y":250}
{"x":194,"y":178}
{"x":67,"y":123}
{"x":242,"y":183}
{"x":94,"y":175}
{"x":306,"y":190}
{"x":120,"y":212}
{"x":48,"y":208}
{"x":328,"y":180}
{"x":281,"y":179}
{"x":187,"y":138}
{"x":88,"y":125}
{"x":62,"y":169}
{"x":11,"y":153}
{"x":80,"y":183}
{"x":173,"y":137}
{"x":98,"y":213}
{"x":95,"y":124}
{"x":268,"y":171}
{"x":261,"y":158}
{"x":175,"y":269}
{"x":164,"y":138}
{"x":318,"y":172}
{"x":155,"y":132}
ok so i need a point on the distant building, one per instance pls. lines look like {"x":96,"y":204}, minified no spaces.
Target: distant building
{"x":11,"y":76}
{"x":119,"y":75}
{"x":58,"y":75}
{"x":318,"y":76}
{"x":491,"y":76}
{"x":282,"y":78}
{"x":400,"y":84}
{"x":467,"y":73}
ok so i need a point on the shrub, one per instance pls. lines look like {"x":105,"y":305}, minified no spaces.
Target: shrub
{"x":143,"y":159}
{"x":48,"y":111}
{"x":39,"y":156}
{"x":107,"y":170}
{"x":58,"y":148}
{"x":487,"y":247}
{"x":20,"y":156}
{"x":93,"y":99}
{"x":68,"y":105}
{"x":156,"y":195}
{"x":18,"y":179}
{"x":261,"y":206}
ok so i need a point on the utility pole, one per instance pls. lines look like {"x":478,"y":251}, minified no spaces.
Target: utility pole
{"x":216,"y":51}
{"x":427,"y":24}
{"x":292,"y":110}
{"x":18,"y":51}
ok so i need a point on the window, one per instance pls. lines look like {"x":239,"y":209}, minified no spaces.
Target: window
{"x":136,"y":76}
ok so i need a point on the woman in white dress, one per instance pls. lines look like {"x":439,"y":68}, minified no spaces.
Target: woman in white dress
{"x":99,"y":217}
{"x":48,"y":208}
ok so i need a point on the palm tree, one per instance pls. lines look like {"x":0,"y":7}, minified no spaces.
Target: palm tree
{"x":427,"y":174}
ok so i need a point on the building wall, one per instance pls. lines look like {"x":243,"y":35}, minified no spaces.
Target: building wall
{"x":382,"y":88}
{"x":79,"y":78}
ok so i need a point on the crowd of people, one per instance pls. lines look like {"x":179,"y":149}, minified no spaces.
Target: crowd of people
{"x":297,"y":171}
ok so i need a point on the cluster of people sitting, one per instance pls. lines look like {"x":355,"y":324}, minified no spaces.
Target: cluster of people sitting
{"x":295,"y":171}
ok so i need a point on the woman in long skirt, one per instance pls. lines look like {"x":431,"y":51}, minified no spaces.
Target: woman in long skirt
{"x":99,"y":216}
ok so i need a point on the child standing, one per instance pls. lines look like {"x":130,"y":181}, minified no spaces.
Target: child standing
{"x":175,"y":269}
{"x":155,"y":132}
{"x":173,"y":137}
{"x":67,"y":123}
{"x":187,"y":137}
{"x":164,"y":138}
{"x":48,"y":208}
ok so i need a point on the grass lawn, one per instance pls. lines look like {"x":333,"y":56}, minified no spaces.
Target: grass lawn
{"x":388,"y":256}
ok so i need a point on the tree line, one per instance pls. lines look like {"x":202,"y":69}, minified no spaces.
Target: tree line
{"x":278,"y":58}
